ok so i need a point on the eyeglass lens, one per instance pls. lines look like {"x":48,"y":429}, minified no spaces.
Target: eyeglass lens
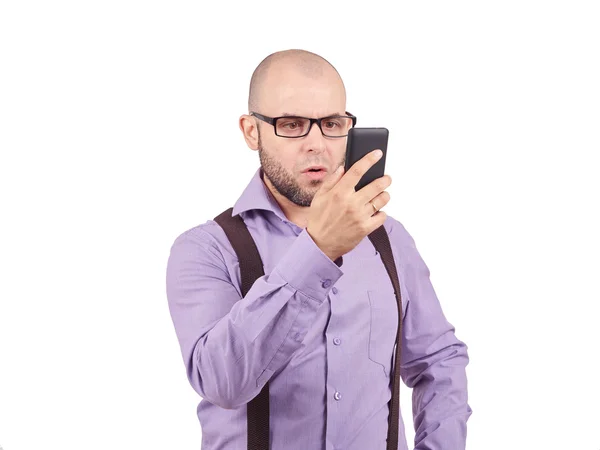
{"x":298,"y":126}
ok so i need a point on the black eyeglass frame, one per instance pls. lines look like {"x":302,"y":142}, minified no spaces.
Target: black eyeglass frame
{"x":273,"y":121}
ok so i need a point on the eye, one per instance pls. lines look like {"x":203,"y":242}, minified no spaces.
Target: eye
{"x":290,"y":124}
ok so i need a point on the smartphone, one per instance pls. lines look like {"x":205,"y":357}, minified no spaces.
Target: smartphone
{"x":362,"y":141}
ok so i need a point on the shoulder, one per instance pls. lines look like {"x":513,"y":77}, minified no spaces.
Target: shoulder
{"x":404,"y":247}
{"x":397,"y":232}
{"x":207,"y":238}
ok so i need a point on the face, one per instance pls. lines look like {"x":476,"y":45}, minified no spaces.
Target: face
{"x":284,"y":159}
{"x":291,"y":183}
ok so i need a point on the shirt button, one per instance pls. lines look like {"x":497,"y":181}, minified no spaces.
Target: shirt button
{"x":337,"y":395}
{"x":334,"y":290}
{"x":326,"y":283}
{"x":337,"y":341}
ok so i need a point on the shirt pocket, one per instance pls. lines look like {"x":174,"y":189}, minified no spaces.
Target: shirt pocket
{"x":383,"y":308}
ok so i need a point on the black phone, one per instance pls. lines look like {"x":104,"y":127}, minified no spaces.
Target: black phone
{"x":362,"y":141}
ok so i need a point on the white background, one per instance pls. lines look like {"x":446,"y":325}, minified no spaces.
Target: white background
{"x":118,"y":131}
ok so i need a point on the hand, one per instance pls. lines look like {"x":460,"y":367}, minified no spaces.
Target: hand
{"x":341,"y":217}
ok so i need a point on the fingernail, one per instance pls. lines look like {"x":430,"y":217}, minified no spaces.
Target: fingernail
{"x":378,"y":153}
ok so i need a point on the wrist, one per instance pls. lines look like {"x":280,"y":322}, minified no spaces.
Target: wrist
{"x":330,"y":254}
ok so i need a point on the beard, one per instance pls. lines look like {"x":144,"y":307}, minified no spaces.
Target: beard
{"x":284,"y":182}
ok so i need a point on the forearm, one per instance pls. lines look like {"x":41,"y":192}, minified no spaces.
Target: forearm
{"x":233,"y":345}
{"x":234,"y":360}
{"x":440,"y":400}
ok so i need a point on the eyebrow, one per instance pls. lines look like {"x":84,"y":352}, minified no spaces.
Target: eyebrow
{"x":296,"y":115}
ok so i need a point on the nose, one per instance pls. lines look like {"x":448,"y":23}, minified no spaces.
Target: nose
{"x":315,"y":138}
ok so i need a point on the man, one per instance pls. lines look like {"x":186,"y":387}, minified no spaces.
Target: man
{"x":320,"y":325}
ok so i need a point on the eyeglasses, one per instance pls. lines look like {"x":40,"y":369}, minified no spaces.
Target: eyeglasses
{"x":295,"y":127}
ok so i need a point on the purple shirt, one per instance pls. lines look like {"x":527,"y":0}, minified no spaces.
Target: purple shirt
{"x":321,"y":334}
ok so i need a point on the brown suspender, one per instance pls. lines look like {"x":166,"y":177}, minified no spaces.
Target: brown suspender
{"x":251,"y":268}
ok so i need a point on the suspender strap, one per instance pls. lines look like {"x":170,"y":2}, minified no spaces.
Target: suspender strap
{"x":251,"y":268}
{"x":381,"y":241}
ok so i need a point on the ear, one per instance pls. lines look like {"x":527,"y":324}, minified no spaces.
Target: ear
{"x":248,"y":125}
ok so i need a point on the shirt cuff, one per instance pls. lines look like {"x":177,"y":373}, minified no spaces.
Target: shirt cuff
{"x":307,"y":269}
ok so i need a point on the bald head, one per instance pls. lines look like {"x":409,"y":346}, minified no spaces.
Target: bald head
{"x":275,"y":67}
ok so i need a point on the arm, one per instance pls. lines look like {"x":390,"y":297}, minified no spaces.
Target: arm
{"x":232,"y":345}
{"x":433,"y":360}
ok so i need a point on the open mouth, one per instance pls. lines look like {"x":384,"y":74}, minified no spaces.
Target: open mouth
{"x":315,"y":174}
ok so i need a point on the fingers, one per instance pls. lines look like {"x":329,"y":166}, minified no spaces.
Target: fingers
{"x":376,"y":220}
{"x":374,"y":188}
{"x":358,"y":169}
{"x":378,"y":202}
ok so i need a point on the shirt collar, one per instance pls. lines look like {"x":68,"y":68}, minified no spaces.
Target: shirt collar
{"x":257,"y":196}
